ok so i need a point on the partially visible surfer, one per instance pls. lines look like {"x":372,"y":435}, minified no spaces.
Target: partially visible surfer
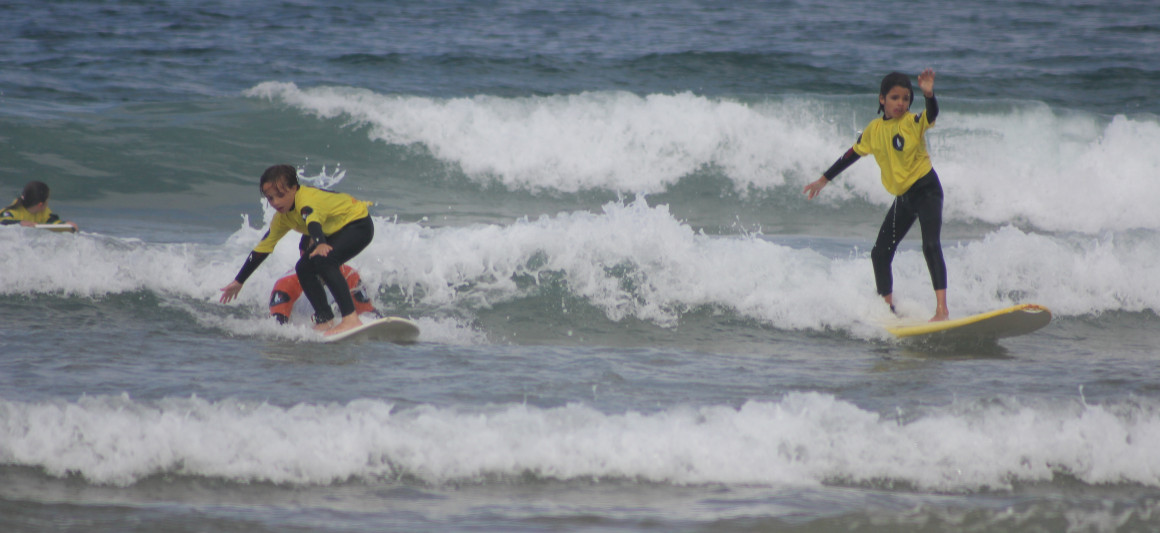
{"x":898,"y":141}
{"x":339,"y":227}
{"x":287,"y":290}
{"x":31,"y":208}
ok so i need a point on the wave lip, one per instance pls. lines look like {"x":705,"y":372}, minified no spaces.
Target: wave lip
{"x":1000,"y":162}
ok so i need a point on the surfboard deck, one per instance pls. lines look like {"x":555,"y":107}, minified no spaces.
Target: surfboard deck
{"x":1009,"y":322}
{"x":394,"y":329}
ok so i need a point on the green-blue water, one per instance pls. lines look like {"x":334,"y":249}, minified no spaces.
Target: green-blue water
{"x":632,"y":320}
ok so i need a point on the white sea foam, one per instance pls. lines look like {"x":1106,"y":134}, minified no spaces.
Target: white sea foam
{"x":803,"y":439}
{"x":1060,"y":173}
{"x":616,"y":140}
{"x":1026,"y":164}
{"x":630,"y":260}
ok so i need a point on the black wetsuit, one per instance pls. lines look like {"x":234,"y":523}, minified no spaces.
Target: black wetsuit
{"x":922,"y":202}
{"x":314,"y":271}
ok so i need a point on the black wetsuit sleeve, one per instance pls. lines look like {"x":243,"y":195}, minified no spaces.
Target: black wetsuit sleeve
{"x":252,"y":262}
{"x":841,"y":164}
{"x":931,"y":108}
{"x":316,"y":234}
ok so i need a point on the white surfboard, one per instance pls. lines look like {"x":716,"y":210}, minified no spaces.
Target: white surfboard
{"x":1008,"y":322}
{"x":60,"y":228}
{"x":391,"y":329}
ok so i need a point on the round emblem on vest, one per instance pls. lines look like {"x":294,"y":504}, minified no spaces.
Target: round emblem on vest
{"x":899,"y":142}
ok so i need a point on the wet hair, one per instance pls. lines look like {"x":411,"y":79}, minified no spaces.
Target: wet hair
{"x":34,"y":193}
{"x":892,"y":80}
{"x":284,"y":176}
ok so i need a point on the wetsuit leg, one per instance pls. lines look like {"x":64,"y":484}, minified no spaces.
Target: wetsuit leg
{"x":923,"y":201}
{"x":898,"y":221}
{"x":313,"y":272}
{"x":928,"y":203}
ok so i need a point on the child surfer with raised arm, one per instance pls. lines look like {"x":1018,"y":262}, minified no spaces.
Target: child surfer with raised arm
{"x":898,"y":141}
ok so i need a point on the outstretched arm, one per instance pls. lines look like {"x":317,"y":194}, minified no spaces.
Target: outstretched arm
{"x":844,"y":162}
{"x":229,"y":292}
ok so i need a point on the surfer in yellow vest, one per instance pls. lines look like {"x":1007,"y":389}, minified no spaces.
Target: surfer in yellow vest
{"x":339,"y":227}
{"x":287,"y":290}
{"x":31,"y":208}
{"x":898,"y":141}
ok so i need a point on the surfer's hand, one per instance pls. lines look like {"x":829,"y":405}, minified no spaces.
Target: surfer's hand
{"x":814,"y":188}
{"x":926,"y":82}
{"x":229,"y":292}
{"x":322,"y":249}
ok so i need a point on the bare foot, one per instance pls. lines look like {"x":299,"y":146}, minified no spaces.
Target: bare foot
{"x":348,"y":323}
{"x":324,"y":326}
{"x":940,"y":307}
{"x":889,"y":298}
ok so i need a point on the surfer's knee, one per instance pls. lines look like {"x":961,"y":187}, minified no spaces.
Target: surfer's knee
{"x":882,"y":255}
{"x":932,"y":248}
{"x":319,"y":263}
{"x":304,"y":267}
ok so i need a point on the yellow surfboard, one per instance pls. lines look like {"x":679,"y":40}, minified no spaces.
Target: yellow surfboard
{"x":1009,"y":322}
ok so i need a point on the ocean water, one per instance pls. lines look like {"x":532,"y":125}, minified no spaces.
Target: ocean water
{"x":632,"y":319}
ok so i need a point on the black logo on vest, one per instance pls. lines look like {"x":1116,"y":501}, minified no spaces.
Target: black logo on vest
{"x":278,"y":298}
{"x":899,"y":142}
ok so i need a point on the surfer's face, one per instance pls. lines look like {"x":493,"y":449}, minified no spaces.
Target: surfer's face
{"x":895,"y":102}
{"x":281,"y":198}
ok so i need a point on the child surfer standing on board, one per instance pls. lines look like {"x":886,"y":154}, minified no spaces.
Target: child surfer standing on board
{"x":339,"y":227}
{"x":898,"y":142}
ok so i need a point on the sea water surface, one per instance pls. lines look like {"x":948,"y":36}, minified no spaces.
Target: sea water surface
{"x":632,"y":319}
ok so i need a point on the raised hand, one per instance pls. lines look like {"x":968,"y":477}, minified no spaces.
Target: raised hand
{"x":926,"y":82}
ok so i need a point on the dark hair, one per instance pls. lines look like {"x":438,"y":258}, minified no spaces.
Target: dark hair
{"x":283,"y":175}
{"x":34,"y":193}
{"x":892,"y":80}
